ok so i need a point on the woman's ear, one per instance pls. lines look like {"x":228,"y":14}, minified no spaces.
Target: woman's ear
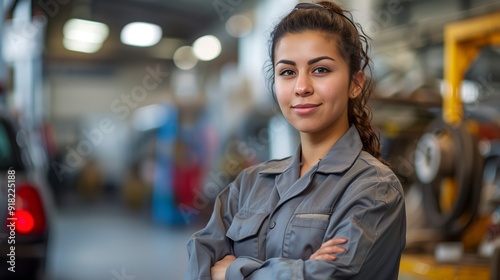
{"x":357,"y":83}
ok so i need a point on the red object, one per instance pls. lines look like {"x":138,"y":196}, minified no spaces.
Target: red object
{"x":187,"y":180}
{"x":24,"y":221}
{"x":489,"y":130}
{"x":29,"y":210}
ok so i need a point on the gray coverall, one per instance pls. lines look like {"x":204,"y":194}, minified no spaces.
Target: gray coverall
{"x":273,"y":221}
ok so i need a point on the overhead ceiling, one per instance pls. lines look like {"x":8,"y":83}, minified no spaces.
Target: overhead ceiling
{"x":184,"y":20}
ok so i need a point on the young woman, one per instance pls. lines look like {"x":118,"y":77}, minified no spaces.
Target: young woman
{"x":333,"y":210}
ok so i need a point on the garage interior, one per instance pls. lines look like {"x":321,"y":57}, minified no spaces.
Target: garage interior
{"x":123,"y":138}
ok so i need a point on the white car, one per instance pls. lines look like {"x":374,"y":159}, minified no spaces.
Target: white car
{"x":24,"y":204}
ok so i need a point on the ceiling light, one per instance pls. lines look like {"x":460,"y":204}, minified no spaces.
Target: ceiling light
{"x":85,"y":31}
{"x":207,"y":47}
{"x":84,"y":35}
{"x":184,"y":58}
{"x":79,"y":46}
{"x":141,"y":34}
{"x":238,"y":26}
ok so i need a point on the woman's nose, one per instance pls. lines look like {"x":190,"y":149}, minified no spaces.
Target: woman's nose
{"x":303,"y":86}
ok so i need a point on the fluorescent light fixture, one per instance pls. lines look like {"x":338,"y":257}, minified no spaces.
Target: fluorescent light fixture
{"x":184,"y":58}
{"x":79,"y":46}
{"x":207,"y":47}
{"x":85,"y":31}
{"x":84,"y":35}
{"x":141,"y":34}
{"x":238,"y":26}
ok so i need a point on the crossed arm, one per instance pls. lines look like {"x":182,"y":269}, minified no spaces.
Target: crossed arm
{"x":372,"y":222}
{"x":326,"y":252}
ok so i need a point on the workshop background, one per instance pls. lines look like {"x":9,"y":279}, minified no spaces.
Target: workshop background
{"x":120,"y":121}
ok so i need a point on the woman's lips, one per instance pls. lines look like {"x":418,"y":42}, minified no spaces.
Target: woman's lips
{"x":305,"y":109}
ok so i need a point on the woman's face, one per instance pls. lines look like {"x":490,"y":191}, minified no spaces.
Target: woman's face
{"x":312,"y":83}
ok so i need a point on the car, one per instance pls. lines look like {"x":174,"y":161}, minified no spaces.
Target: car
{"x":25,"y":206}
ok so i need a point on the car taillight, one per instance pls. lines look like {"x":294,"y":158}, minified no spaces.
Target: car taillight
{"x":24,"y":222}
{"x":29,"y":210}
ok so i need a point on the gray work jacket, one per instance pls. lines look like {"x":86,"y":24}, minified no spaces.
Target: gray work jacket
{"x":273,"y":221}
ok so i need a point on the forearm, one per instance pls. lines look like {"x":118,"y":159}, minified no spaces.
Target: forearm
{"x":202,"y":255}
{"x":210,"y":244}
{"x":283,"y":268}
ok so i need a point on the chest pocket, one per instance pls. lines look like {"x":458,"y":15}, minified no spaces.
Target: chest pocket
{"x":244,"y":232}
{"x":305,"y":234}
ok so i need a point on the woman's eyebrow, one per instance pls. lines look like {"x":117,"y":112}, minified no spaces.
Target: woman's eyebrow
{"x":312,"y":61}
{"x":284,"y":61}
{"x":317,"y":59}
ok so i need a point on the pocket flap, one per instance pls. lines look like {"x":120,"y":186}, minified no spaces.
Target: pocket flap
{"x":245,"y":225}
{"x":323,"y":217}
{"x":311,"y":220}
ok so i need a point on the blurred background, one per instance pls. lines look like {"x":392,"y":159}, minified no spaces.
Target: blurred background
{"x":120,"y":122}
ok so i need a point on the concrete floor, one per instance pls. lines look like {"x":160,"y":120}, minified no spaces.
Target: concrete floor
{"x":106,"y":241}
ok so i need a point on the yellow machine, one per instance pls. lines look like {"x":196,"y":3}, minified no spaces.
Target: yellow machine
{"x":462,"y":42}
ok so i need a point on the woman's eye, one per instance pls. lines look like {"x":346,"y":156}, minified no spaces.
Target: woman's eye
{"x":286,"y":73}
{"x":321,"y":70}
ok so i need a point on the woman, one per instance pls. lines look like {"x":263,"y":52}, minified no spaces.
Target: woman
{"x":333,"y":210}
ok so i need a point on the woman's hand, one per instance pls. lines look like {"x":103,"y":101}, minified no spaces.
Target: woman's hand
{"x":218,"y":271}
{"x":328,"y":249}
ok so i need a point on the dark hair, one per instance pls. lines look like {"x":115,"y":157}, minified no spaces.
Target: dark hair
{"x":353,"y":46}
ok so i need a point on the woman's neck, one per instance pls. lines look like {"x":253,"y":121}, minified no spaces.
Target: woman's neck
{"x":315,"y":147}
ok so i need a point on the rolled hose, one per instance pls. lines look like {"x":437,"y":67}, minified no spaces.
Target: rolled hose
{"x":466,"y":170}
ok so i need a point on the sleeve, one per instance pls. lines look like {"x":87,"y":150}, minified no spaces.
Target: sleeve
{"x":371,"y":217}
{"x":211,"y":244}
